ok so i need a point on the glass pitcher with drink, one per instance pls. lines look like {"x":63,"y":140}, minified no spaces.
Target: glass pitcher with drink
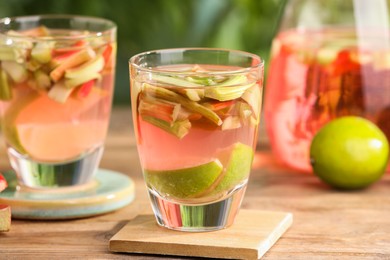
{"x":329,"y":59}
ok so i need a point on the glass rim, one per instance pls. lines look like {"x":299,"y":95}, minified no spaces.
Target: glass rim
{"x":112,"y":26}
{"x":257,"y":65}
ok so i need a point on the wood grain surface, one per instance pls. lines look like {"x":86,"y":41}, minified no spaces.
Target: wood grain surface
{"x":253,"y":233}
{"x":328,"y":224}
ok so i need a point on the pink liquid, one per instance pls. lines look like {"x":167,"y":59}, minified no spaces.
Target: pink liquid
{"x":62,"y":131}
{"x":161,"y":149}
{"x":316,"y":77}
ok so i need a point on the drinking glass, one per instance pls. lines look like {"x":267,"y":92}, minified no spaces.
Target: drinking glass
{"x":196,"y":114}
{"x":329,"y":59}
{"x":56,"y":87}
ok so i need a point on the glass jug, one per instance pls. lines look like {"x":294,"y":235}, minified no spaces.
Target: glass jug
{"x":329,"y":58}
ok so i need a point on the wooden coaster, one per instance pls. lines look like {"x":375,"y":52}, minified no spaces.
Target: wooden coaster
{"x":250,"y":237}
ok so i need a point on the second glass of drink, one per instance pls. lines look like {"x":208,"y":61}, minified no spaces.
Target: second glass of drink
{"x":56,"y":86}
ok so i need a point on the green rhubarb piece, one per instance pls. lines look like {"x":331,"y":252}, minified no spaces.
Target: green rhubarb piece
{"x":189,"y":104}
{"x":5,"y":88}
{"x":179,"y":128}
{"x":194,"y":94}
{"x":59,"y":92}
{"x":41,"y":52}
{"x":90,"y":70}
{"x":91,"y":67}
{"x":238,"y":160}
{"x":174,"y":81}
{"x":205,"y":81}
{"x":16,"y":71}
{"x":230,"y":89}
{"x":75,"y":82}
{"x":252,"y":96}
{"x":42,"y":79}
{"x":188,"y":82}
{"x":9,"y":125}
{"x":184,"y":183}
{"x":159,"y":108}
{"x":7,"y":54}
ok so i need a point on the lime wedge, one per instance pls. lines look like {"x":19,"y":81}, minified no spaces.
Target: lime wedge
{"x":238,"y":166}
{"x":8,"y":123}
{"x":186,"y":182}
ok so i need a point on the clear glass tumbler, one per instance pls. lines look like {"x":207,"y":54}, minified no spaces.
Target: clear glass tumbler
{"x":56,"y":88}
{"x":196,"y":114}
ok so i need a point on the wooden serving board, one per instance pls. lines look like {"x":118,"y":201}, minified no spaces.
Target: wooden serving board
{"x":250,"y":237}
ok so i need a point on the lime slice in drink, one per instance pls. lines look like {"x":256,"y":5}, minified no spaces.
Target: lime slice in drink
{"x":9,"y":125}
{"x":239,"y":159}
{"x":186,"y":182}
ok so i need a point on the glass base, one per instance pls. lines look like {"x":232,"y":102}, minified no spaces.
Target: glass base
{"x":197,"y":218}
{"x":35,"y":174}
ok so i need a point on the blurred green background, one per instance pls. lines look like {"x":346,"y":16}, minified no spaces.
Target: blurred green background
{"x":143,"y":25}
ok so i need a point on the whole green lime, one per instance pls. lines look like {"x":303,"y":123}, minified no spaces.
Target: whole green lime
{"x":349,"y":153}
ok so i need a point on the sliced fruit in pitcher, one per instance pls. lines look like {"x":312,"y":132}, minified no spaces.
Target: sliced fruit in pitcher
{"x":186,"y":182}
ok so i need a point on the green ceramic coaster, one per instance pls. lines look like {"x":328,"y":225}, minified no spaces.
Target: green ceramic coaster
{"x":110,"y":191}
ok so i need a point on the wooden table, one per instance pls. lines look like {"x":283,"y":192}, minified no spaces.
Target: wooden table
{"x":328,"y":224}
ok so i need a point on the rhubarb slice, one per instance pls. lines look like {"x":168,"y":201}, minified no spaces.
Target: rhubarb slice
{"x":253,"y":97}
{"x":91,"y":67}
{"x":5,"y":88}
{"x":42,"y":52}
{"x":75,"y":82}
{"x":42,"y":79}
{"x":7,"y":54}
{"x":189,"y":104}
{"x":230,"y":89}
{"x":194,"y":94}
{"x":85,"y":89}
{"x":158,"y":108}
{"x":72,"y":61}
{"x":179,"y":128}
{"x":174,"y":81}
{"x":205,"y":81}
{"x":59,"y":92}
{"x":16,"y":71}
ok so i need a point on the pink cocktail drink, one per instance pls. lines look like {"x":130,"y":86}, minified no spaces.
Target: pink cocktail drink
{"x":318,"y":76}
{"x":56,"y":90}
{"x":196,"y":128}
